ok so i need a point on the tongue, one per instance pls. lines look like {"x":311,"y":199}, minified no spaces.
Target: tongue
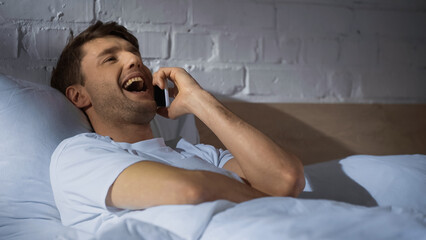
{"x":136,"y":87}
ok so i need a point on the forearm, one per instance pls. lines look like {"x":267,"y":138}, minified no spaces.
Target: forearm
{"x":213,"y":186}
{"x":265,"y":165}
{"x":147,"y":184}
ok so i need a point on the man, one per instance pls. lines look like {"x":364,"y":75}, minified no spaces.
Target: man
{"x":121,"y":166}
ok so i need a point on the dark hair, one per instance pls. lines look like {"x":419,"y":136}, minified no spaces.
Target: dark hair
{"x":68,"y":68}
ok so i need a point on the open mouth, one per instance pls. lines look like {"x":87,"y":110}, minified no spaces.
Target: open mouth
{"x":135,"y":84}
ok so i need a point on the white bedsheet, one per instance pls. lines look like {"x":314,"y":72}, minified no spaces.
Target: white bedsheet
{"x":359,"y":197}
{"x":268,"y":218}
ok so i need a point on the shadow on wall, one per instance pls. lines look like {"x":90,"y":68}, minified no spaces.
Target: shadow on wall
{"x":324,"y":132}
{"x":309,"y":144}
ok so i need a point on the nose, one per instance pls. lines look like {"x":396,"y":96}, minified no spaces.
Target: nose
{"x":133,"y":61}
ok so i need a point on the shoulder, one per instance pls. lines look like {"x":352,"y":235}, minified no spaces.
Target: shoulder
{"x":86,"y":138}
{"x":81,"y":147}
{"x":83,"y":140}
{"x":86,"y":152}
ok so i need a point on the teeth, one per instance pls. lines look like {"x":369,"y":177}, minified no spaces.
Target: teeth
{"x":132,"y":80}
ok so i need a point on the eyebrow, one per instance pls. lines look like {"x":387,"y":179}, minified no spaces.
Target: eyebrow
{"x":133,"y":49}
{"x":107,"y":51}
{"x":115,"y":49}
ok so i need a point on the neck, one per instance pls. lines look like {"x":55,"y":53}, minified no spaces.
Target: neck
{"x":128,"y":133}
{"x":125,"y":132}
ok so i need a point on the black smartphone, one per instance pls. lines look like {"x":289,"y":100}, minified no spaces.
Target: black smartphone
{"x":159,"y":96}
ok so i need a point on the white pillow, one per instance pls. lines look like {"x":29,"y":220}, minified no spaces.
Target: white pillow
{"x":34,"y":119}
{"x":396,"y":180}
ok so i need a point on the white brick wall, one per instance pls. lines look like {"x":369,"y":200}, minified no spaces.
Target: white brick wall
{"x":251,"y":50}
{"x":144,"y":11}
{"x":315,"y":19}
{"x":233,"y":14}
{"x":50,"y":42}
{"x":192,"y":46}
{"x":222,"y":81}
{"x":9,"y":42}
{"x":287,"y":82}
{"x":47,"y":10}
{"x":237,"y":49}
{"x":153,"y":45}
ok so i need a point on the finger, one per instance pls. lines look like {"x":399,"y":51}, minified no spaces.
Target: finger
{"x":171,"y":73}
{"x":159,"y":79}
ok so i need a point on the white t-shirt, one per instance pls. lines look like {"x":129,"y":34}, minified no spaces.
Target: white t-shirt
{"x":83,"y":168}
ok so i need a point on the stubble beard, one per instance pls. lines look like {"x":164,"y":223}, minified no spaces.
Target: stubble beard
{"x":127,"y":112}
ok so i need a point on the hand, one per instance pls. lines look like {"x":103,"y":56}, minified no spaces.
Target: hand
{"x":184,"y":91}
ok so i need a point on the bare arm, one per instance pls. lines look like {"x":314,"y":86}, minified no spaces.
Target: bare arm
{"x":146,"y":184}
{"x":268,"y":169}
{"x":265,"y":165}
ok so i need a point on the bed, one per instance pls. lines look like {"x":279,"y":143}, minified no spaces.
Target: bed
{"x":347,"y":196}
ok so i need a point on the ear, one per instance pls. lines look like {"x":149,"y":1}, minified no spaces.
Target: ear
{"x":77,"y":94}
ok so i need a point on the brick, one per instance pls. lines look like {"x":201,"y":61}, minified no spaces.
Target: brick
{"x":307,"y":20}
{"x":359,"y":52}
{"x":237,"y":48}
{"x":67,"y":10}
{"x":271,"y":51}
{"x":227,"y":13}
{"x":192,"y":46}
{"x":391,"y":23}
{"x":8,"y":43}
{"x":394,"y":85}
{"x":284,"y":50}
{"x":290,"y":48}
{"x":153,"y":44}
{"x":287,"y":83}
{"x":143,"y":11}
{"x":396,"y":52}
{"x":220,"y":81}
{"x":75,"y":11}
{"x":321,"y":51}
{"x":341,"y":85}
{"x":50,"y":43}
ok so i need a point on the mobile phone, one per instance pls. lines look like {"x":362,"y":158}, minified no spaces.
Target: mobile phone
{"x":161,"y":97}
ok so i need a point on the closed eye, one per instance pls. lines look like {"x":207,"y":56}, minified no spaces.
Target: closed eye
{"x":109,"y":59}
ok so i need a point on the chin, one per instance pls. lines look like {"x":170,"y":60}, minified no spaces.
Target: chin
{"x":145,"y":114}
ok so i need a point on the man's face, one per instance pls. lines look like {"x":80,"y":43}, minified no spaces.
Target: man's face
{"x":118,"y":83}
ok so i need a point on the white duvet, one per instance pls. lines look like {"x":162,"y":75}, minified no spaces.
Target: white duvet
{"x":268,"y":218}
{"x":360,"y":197}
{"x":393,"y":188}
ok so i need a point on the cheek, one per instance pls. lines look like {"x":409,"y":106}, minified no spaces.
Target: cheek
{"x":147,"y":72}
{"x":98,"y":88}
{"x":106,"y":81}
